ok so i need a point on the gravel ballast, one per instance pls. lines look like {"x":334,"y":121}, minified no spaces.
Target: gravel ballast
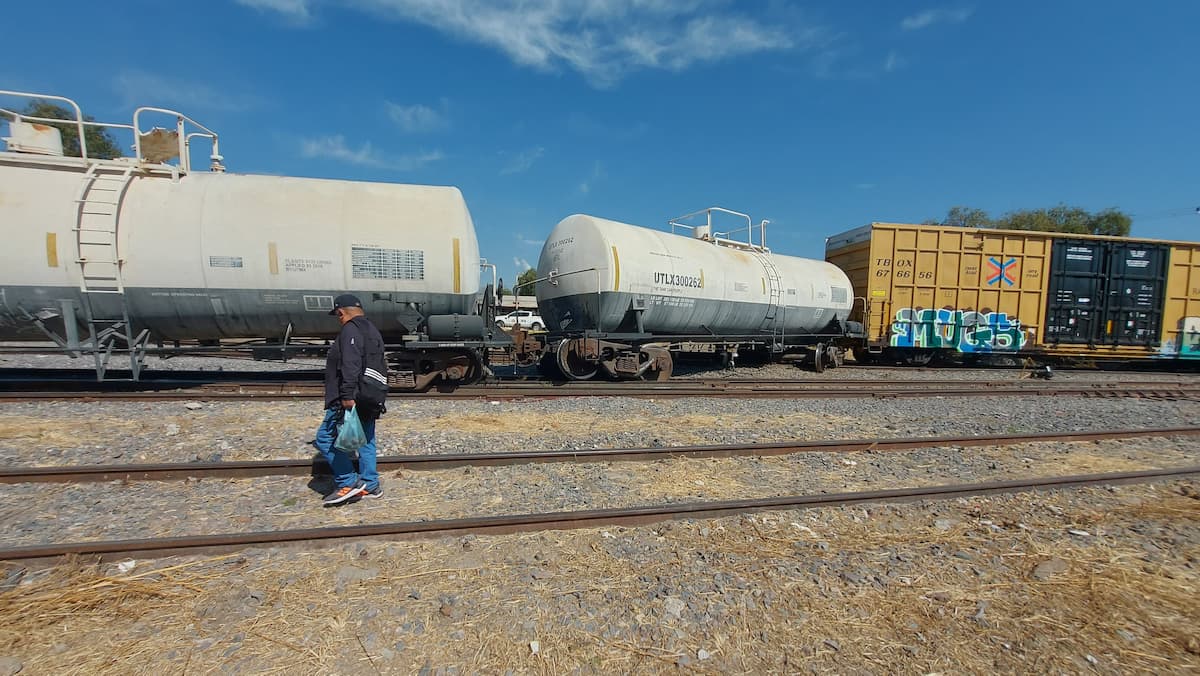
{"x":1061,"y":581}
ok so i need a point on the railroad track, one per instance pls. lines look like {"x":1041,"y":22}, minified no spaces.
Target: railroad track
{"x":208,"y":544}
{"x":506,"y":390}
{"x":229,"y":470}
{"x":517,"y":523}
{"x":15,"y":378}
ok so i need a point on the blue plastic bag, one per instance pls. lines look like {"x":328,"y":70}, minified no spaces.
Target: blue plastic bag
{"x":350,"y":436}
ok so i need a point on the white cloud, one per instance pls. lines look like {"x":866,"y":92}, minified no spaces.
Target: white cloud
{"x":522,"y":161}
{"x":848,"y":61}
{"x":585,"y":186}
{"x":932,"y":16}
{"x":140,"y":88}
{"x":529,"y":242}
{"x":416,"y":118}
{"x":605,"y":39}
{"x":521,"y":263}
{"x":296,"y":11}
{"x":335,"y":148}
{"x":892,"y":62}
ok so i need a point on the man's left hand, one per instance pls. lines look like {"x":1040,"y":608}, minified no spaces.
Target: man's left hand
{"x":347,"y":403}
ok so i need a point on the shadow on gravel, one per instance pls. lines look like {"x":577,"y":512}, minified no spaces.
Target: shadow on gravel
{"x":321,"y":477}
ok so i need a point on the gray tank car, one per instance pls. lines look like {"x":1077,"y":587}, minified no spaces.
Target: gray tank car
{"x":637,"y":294}
{"x":122,"y":252}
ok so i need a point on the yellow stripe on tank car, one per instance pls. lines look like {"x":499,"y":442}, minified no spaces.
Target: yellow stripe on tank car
{"x":764,"y":283}
{"x":457,"y":269}
{"x":616,"y":270}
{"x":52,"y":249}
{"x":701,"y":278}
{"x":273,"y":257}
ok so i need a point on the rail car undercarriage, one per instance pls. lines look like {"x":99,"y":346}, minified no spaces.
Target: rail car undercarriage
{"x":649,"y":357}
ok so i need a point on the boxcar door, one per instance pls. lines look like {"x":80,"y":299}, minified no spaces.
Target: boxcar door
{"x":1137,"y":279}
{"x":1076,"y":294}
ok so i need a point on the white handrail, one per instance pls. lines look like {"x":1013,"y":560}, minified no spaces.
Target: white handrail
{"x":723,"y":237}
{"x":78,"y":114}
{"x":182,"y":124}
{"x":185,"y":159}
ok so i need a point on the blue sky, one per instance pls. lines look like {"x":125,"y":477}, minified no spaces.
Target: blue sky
{"x":818,"y":116}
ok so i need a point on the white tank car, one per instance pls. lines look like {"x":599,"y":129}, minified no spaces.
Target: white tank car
{"x":211,"y":255}
{"x":603,"y":273}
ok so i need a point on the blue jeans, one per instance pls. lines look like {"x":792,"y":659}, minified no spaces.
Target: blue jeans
{"x":343,"y":466}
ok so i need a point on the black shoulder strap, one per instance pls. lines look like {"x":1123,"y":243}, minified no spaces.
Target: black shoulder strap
{"x":369,"y":334}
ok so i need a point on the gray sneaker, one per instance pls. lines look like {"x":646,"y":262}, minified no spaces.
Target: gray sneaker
{"x":345,"y":493}
{"x":376,"y":492}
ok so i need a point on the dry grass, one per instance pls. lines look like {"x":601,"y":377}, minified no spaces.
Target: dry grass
{"x":1132,"y":611}
{"x":267,"y":430}
{"x":688,"y":478}
{"x":577,"y":424}
{"x":60,"y":432}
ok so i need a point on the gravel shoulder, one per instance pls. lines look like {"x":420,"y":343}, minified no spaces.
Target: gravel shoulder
{"x":1066,"y":581}
{"x":1061,"y":581}
{"x":63,"y":433}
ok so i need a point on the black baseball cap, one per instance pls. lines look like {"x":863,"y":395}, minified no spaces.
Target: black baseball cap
{"x":345,"y":300}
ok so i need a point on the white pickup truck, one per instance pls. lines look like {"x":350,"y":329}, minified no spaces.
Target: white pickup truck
{"x":525,"y":319}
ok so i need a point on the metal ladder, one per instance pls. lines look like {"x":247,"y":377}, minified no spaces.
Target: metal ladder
{"x":773,"y":320}
{"x":100,"y":262}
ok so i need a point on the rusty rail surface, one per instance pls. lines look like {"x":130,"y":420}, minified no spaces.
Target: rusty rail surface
{"x":173,"y":471}
{"x":634,"y":516}
{"x":516,"y":391}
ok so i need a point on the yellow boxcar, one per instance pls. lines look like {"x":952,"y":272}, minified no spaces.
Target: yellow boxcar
{"x":921,"y":289}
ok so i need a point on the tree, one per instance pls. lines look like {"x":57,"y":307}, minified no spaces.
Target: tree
{"x":1112,"y":222}
{"x":100,"y":144}
{"x":1061,"y":218}
{"x":965,"y":217}
{"x":525,"y":282}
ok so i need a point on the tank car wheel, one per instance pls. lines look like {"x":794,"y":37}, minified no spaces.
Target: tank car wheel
{"x":464,"y":368}
{"x":819,"y":358}
{"x":572,"y":365}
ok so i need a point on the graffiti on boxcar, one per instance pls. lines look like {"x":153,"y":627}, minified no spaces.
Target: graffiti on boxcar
{"x":1188,"y":344}
{"x":961,"y":330}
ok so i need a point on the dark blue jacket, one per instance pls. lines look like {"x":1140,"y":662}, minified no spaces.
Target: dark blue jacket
{"x":358,"y":346}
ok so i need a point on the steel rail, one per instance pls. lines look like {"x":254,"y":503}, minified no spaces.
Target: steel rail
{"x":243,"y":469}
{"x":13,"y":378}
{"x":633,"y":516}
{"x":643,"y":391}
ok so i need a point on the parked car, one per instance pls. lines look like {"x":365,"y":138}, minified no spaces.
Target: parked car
{"x":525,"y":319}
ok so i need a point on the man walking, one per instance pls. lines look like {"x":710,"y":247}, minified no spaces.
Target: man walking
{"x":357,"y":353}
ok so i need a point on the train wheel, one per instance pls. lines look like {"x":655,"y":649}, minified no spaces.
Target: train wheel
{"x":462,"y":368}
{"x":819,"y":358}
{"x":572,"y":364}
